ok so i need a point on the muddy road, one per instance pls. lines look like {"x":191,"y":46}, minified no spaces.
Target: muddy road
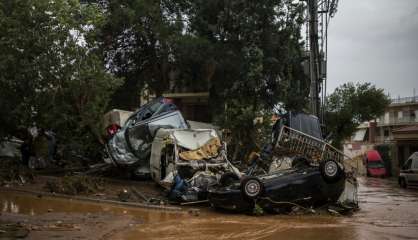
{"x":387,"y":212}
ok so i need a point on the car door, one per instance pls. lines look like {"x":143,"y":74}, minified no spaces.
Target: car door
{"x":413,"y":176}
{"x":406,"y":170}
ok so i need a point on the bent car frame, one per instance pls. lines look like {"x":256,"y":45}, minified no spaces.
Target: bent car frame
{"x":188,"y":162}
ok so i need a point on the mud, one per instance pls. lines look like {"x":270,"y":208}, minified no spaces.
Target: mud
{"x":387,"y":212}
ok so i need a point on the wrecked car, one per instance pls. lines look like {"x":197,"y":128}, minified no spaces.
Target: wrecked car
{"x":187,"y":162}
{"x":297,"y":168}
{"x":157,"y":142}
{"x":130,"y":146}
{"x":278,"y":191}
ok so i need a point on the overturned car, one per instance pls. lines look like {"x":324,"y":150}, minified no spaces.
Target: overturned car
{"x":130,"y":146}
{"x":297,"y":168}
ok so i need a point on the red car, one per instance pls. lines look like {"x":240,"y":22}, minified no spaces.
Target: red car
{"x":374,"y":164}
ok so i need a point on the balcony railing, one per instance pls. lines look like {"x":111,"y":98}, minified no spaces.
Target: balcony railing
{"x":405,"y":100}
{"x":398,"y":121}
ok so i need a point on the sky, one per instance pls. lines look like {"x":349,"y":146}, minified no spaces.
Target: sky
{"x":375,"y":41}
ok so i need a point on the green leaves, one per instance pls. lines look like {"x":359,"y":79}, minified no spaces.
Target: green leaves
{"x":52,"y":69}
{"x":351,"y":105}
{"x":247,"y":54}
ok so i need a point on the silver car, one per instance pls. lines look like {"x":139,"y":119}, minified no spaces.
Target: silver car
{"x":409,"y":172}
{"x":130,"y":147}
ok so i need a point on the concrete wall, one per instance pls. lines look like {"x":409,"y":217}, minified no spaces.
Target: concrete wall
{"x":355,"y":149}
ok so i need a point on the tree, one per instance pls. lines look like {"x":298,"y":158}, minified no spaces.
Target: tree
{"x":349,"y":105}
{"x":52,"y":69}
{"x":247,"y":54}
{"x":139,"y":40}
{"x":256,"y":54}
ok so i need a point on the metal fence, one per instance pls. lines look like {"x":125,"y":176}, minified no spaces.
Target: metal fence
{"x":314,"y":149}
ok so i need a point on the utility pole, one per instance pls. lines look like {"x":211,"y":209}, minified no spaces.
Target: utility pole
{"x":318,"y":14}
{"x":313,"y":57}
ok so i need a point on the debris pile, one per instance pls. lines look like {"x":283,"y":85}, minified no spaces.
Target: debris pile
{"x":298,"y":170}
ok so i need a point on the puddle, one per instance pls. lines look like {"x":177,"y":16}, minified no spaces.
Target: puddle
{"x":387,"y":212}
{"x":32,"y":205}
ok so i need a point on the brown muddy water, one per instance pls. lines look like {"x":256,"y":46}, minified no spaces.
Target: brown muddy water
{"x":387,"y":212}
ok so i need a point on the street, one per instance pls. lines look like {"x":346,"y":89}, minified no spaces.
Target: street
{"x":387,"y":212}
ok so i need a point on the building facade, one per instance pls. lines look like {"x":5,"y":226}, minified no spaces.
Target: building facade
{"x":396,"y":129}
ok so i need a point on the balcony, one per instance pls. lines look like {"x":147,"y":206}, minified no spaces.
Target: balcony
{"x":404,"y":100}
{"x":398,"y":121}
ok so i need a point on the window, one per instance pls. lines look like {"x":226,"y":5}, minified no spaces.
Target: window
{"x":407,"y":165}
{"x":416,"y":116}
{"x":405,"y":116}
{"x":386,"y":132}
{"x":412,"y":114}
{"x":377,"y":164}
{"x":415,"y":164}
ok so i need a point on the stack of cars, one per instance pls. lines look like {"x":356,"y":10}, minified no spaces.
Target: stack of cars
{"x":297,"y":167}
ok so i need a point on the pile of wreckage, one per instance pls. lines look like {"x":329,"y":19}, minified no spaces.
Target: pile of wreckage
{"x":298,"y":167}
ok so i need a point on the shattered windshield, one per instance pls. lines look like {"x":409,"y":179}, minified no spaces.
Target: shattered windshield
{"x":139,"y":140}
{"x":150,"y":109}
{"x":375,"y":165}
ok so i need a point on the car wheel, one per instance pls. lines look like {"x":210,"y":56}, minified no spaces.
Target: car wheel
{"x":402,"y":183}
{"x":331,"y":171}
{"x":252,"y":187}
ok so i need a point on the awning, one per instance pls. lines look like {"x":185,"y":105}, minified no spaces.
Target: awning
{"x":359,"y":135}
{"x":408,"y":133}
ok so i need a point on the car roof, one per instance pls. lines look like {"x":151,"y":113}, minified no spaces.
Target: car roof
{"x":414,"y":155}
{"x":373,"y":155}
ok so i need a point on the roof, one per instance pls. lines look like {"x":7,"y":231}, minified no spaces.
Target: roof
{"x":414,"y":155}
{"x":187,"y":95}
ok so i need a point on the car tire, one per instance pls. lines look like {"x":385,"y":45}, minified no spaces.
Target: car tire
{"x":402,"y":183}
{"x":331,"y":171}
{"x":252,"y":187}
